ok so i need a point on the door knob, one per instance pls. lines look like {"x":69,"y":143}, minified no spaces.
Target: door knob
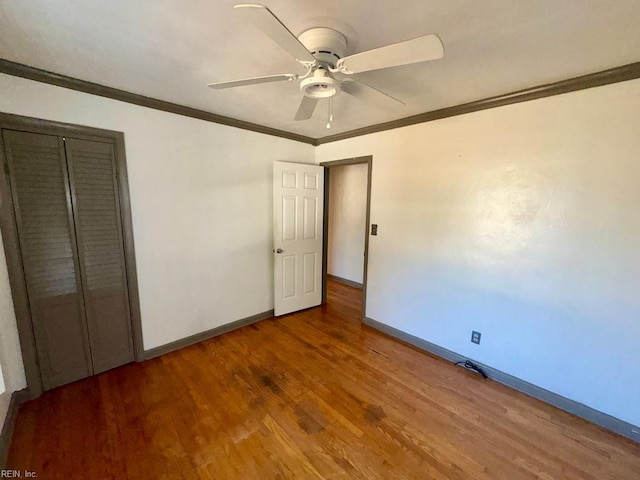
{"x":278,"y":250}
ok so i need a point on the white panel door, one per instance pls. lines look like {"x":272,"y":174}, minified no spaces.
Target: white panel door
{"x":298,"y":202}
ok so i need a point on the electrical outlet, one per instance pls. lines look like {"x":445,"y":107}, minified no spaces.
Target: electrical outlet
{"x":475,"y":337}
{"x":374,"y":229}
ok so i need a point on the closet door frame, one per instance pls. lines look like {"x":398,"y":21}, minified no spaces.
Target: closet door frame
{"x":12,"y":246}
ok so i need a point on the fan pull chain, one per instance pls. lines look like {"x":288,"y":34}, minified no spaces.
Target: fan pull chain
{"x":330,"y":112}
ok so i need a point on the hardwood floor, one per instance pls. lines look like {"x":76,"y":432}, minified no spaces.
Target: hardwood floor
{"x":310,"y":395}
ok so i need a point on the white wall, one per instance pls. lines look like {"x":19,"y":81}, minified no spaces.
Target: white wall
{"x":522,"y":222}
{"x":10,"y":354}
{"x":201,"y":197}
{"x":347,"y":218}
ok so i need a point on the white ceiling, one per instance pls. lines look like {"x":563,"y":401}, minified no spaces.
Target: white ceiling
{"x":169,"y":49}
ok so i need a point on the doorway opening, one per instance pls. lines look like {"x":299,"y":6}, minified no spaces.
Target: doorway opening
{"x":347,"y":202}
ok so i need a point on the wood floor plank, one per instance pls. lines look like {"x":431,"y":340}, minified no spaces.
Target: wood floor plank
{"x":315,"y":394}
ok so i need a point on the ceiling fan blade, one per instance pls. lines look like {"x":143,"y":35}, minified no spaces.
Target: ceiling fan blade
{"x":369,"y":94}
{"x":252,"y":81}
{"x":263,"y":19}
{"x":421,"y":49}
{"x":306,"y":108}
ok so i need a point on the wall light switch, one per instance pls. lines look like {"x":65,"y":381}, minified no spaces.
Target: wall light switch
{"x":475,"y":337}
{"x":374,"y":229}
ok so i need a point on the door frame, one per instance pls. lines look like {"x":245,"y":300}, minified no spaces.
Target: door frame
{"x":12,"y":245}
{"x":368,"y":160}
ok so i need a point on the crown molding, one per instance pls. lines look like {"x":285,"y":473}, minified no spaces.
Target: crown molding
{"x":44,"y":76}
{"x":605,"y":77}
{"x":597,"y":79}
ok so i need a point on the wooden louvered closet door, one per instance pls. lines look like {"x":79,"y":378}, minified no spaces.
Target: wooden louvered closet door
{"x":40,"y":190}
{"x":96,"y":212}
{"x":65,"y":195}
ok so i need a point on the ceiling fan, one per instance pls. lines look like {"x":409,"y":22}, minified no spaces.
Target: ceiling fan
{"x":321,"y":51}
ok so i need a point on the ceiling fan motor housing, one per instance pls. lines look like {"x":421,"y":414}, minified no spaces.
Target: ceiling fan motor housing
{"x":325,"y":44}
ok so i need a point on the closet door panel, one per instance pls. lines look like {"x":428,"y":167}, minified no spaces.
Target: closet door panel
{"x":39,"y":184}
{"x":101,"y":251}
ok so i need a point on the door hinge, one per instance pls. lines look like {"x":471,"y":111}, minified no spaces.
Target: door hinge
{"x":6,"y":168}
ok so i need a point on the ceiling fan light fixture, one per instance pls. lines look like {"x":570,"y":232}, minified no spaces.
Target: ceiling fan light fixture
{"x":319,"y":85}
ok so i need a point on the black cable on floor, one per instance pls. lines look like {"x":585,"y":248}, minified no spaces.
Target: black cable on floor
{"x":469,"y":365}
